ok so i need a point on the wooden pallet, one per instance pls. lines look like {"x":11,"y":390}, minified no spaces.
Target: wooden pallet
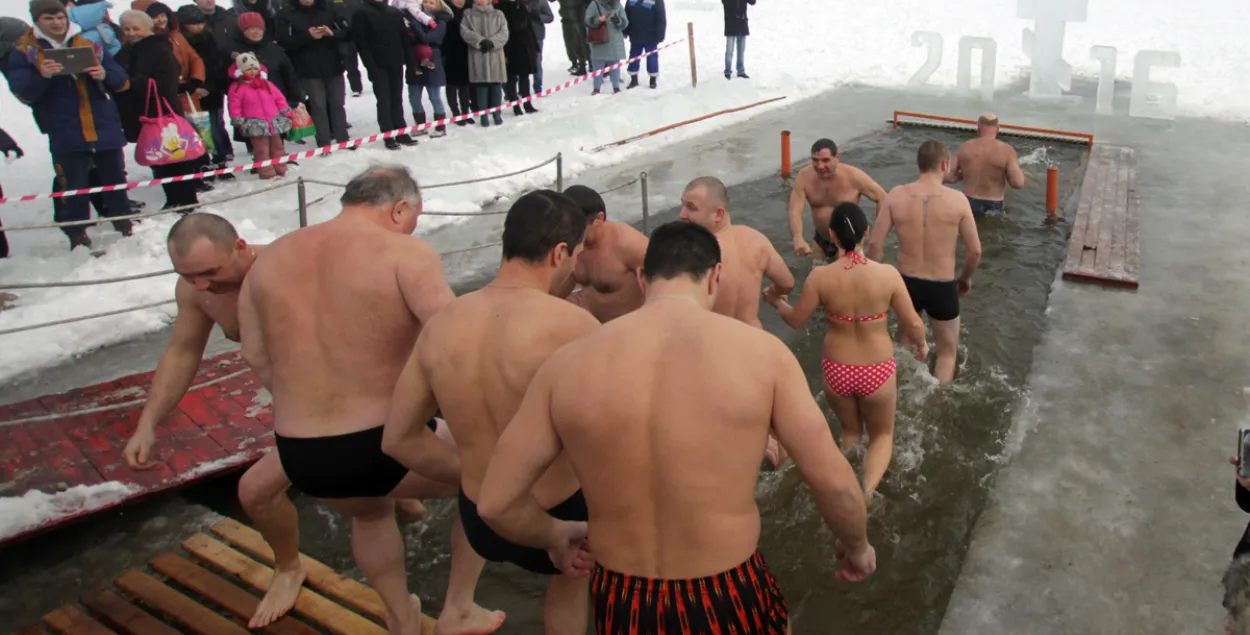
{"x":219,"y":428}
{"x":206,"y":592}
{"x":1105,"y":245}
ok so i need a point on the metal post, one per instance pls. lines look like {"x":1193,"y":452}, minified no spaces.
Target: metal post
{"x":646,"y":204}
{"x":694,"y":74}
{"x":559,"y":171}
{"x":303,"y":203}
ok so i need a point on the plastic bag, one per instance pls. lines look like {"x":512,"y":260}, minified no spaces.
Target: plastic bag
{"x":301,"y":124}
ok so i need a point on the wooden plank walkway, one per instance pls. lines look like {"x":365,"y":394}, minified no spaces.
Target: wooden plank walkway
{"x":1105,"y":245}
{"x":213,"y":589}
{"x":216,"y":429}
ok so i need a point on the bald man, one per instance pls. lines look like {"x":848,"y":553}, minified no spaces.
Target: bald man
{"x":986,"y":166}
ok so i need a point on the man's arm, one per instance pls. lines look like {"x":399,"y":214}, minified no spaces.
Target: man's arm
{"x":802,"y":430}
{"x":405,"y":436}
{"x":173,"y":376}
{"x":252,"y":337}
{"x":972,"y":247}
{"x":798,"y":203}
{"x":1015,"y":176}
{"x":798,"y":315}
{"x":775,"y":268}
{"x":869,"y":187}
{"x":422,"y":280}
{"x":634,"y":250}
{"x":953,"y":172}
{"x":885,"y":223}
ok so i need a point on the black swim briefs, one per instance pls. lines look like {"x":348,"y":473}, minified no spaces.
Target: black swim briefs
{"x":982,"y":207}
{"x":745,"y":599}
{"x":496,"y":548}
{"x":831,"y":250}
{"x":342,"y":466}
{"x":938,"y":298}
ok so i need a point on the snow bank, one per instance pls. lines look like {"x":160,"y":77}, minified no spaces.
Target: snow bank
{"x":19,"y":514}
{"x":796,"y":49}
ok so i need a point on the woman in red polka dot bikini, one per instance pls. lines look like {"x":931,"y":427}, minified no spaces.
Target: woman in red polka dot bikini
{"x":858,"y":364}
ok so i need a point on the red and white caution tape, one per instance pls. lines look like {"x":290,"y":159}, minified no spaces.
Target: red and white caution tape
{"x":308,"y":154}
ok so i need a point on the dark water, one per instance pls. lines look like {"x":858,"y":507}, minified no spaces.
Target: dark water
{"x":947,"y":443}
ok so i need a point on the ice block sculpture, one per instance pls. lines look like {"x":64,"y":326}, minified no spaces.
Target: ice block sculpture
{"x":989,"y":58}
{"x":1106,"y":77}
{"x":1140,"y":105}
{"x":934,"y":60}
{"x":1050,"y":75}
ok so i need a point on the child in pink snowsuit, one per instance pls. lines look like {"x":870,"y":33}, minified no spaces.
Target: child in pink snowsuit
{"x":258,"y":110}
{"x":423,"y":52}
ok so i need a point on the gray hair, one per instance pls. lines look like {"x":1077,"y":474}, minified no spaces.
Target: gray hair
{"x":382,"y":185}
{"x":1237,"y":595}
{"x":142,"y":18}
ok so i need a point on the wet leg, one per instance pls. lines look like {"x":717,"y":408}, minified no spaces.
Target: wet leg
{"x":946,"y":335}
{"x":262,"y":492}
{"x":567,"y":609}
{"x":378,"y":548}
{"x":877,"y":411}
{"x":847,"y":411}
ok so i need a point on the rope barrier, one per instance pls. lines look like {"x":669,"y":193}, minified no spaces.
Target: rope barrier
{"x":116,"y":406}
{"x":460,"y":251}
{"x":621,"y":186}
{"x":82,"y":283}
{"x":456,"y":183}
{"x":31,"y":327}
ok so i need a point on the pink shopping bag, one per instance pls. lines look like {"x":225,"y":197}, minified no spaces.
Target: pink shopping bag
{"x":168,"y":138}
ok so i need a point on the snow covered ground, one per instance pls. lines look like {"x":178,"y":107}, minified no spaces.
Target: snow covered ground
{"x":35,"y":508}
{"x":796,"y":49}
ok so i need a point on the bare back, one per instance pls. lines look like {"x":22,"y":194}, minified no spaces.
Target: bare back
{"x":861,"y":291}
{"x":928,"y":219}
{"x":607,"y":272}
{"x":334,"y":304}
{"x":665,"y":414}
{"x":479,"y":354}
{"x":984,"y":164}
{"x":745,"y":255}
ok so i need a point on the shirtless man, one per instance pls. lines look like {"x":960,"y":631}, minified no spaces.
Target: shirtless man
{"x":212,"y":262}
{"x":824,"y":184}
{"x":475,"y":359}
{"x":328,"y":319}
{"x":607,"y":269}
{"x":673,"y":380}
{"x":986,"y":166}
{"x":931,"y":219}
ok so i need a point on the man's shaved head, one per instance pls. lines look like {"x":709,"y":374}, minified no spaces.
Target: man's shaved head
{"x":987,"y":119}
{"x":717,"y":193}
{"x":193,"y":227}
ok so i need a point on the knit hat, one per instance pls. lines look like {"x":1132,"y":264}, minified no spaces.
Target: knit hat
{"x":248,"y":20}
{"x":43,"y":7}
{"x":190,"y":14}
{"x":246,"y":62}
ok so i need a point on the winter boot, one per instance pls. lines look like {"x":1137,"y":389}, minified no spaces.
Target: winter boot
{"x":654,"y":79}
{"x":441,"y":129}
{"x":633,"y":81}
{"x":391,"y":144}
{"x":125,"y":227}
{"x":516,"y":111}
{"x":529,"y":107}
{"x":405,"y":140}
{"x":79,"y":239}
{"x":420,"y":117}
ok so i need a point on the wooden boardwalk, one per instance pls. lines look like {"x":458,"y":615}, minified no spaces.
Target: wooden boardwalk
{"x":221,"y":427}
{"x":1105,"y":245}
{"x":212,"y":589}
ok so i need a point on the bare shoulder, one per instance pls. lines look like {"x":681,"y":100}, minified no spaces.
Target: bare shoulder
{"x":564,"y":316}
{"x":187,"y":297}
{"x":804,"y":175}
{"x":898,"y":191}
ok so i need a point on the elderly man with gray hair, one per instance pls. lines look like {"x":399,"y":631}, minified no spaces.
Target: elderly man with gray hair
{"x":328,"y":316}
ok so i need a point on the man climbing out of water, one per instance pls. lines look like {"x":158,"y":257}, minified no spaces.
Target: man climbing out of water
{"x":824,"y":184}
{"x":474,"y":360}
{"x":328,"y":318}
{"x":931,"y":219}
{"x":212,"y":261}
{"x":607,"y":269}
{"x":748,"y":257}
{"x":986,"y":166}
{"x":675,"y":540}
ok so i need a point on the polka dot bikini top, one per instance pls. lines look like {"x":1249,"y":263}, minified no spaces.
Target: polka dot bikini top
{"x":857,"y":258}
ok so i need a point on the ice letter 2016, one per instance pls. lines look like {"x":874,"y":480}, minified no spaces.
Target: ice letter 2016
{"x":1050,"y":74}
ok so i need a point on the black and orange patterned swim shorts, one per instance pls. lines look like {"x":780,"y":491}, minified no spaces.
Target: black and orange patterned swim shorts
{"x":745,"y":600}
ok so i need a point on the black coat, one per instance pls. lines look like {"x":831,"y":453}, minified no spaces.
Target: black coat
{"x":1243,"y":501}
{"x":266,"y":9}
{"x":151,"y":58}
{"x":216,"y":67}
{"x":224,"y":23}
{"x":382,"y":37}
{"x":736,"y":17}
{"x":313,"y":58}
{"x":281,"y":71}
{"x":455,"y":51}
{"x":521,"y":51}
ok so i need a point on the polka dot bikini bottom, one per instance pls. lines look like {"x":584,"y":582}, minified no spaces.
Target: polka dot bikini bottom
{"x":850,"y":380}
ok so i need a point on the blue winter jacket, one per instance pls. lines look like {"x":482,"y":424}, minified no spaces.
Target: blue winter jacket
{"x":76,"y":112}
{"x":92,"y":19}
{"x":647,"y":22}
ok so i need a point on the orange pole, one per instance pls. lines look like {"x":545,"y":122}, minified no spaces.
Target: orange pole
{"x":685,"y":123}
{"x":1052,"y":190}
{"x":1089,"y":138}
{"x":785,"y":154}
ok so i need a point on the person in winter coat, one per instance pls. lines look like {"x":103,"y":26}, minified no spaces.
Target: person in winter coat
{"x":93,"y":19}
{"x":647,"y":26}
{"x":192,"y":78}
{"x":7,"y":147}
{"x":266,"y":9}
{"x":386,"y":50}
{"x":540,"y":17}
{"x":573,"y":25}
{"x":350,"y":58}
{"x":222,"y":22}
{"x":485,"y":31}
{"x":520,"y":53}
{"x":251,"y":39}
{"x":431,"y":80}
{"x":310,"y":32}
{"x":76,"y":112}
{"x":258,"y":109}
{"x":608,"y":15}
{"x":460,"y":96}
{"x":212,"y":95}
{"x":155,"y":75}
{"x":736,"y":32}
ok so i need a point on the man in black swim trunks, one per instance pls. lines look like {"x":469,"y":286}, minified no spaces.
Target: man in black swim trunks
{"x":931,"y":219}
{"x":986,"y":166}
{"x":474,"y":360}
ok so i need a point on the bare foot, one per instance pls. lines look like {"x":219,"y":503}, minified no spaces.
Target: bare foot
{"x":410,"y":507}
{"x":410,"y":624}
{"x":775,"y":453}
{"x":476,"y":621}
{"x":279,"y":598}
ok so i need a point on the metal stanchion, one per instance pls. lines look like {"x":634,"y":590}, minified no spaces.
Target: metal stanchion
{"x":559,"y":171}
{"x":646,"y":205}
{"x":303,"y":203}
